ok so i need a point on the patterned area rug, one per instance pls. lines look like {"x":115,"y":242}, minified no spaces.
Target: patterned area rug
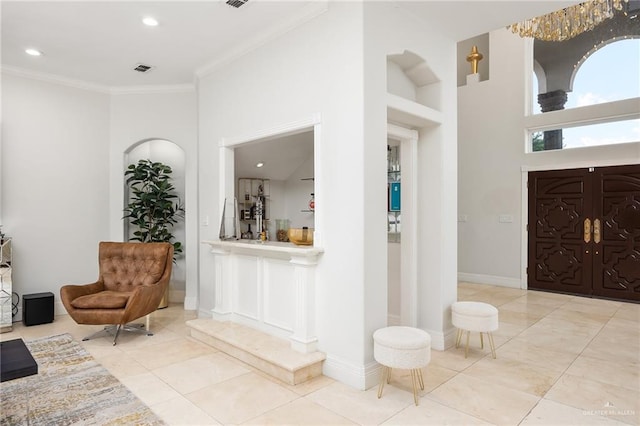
{"x":71,"y":388}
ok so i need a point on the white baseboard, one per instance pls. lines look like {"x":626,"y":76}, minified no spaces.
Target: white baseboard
{"x":204,"y":313}
{"x":442,"y":341}
{"x":489,"y":279}
{"x":361,"y":377}
{"x":58,"y":309}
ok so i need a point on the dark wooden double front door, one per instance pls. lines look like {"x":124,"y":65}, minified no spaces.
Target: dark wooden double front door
{"x":584,"y":232}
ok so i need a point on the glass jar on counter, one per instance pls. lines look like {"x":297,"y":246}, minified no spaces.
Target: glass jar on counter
{"x":282,"y":228}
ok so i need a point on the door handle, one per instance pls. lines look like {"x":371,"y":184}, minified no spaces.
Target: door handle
{"x":596,"y":231}
{"x":587,"y":230}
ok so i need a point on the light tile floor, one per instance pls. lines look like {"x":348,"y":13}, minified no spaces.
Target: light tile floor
{"x":562,"y":360}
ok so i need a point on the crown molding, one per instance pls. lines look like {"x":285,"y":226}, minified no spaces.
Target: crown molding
{"x":56,"y":79}
{"x":141,"y":90}
{"x":84,"y":85}
{"x":308,"y":13}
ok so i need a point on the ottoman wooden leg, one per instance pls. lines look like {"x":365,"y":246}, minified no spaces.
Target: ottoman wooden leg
{"x":481,"y":341}
{"x":466,"y":348}
{"x":493,"y":346}
{"x":385,"y":376}
{"x":414,"y":379}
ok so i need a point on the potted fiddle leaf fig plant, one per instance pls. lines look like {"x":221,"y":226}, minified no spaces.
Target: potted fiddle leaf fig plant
{"x":154,"y":207}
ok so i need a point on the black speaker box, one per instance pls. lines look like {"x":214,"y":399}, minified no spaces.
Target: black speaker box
{"x":37,"y":308}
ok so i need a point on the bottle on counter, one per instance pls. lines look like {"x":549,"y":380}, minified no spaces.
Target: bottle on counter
{"x":247,"y":235}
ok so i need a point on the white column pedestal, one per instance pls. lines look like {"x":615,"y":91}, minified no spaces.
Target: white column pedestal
{"x":304,"y":337}
{"x":223,"y":290}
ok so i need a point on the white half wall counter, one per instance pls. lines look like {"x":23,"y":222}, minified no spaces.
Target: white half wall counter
{"x":269,"y":286}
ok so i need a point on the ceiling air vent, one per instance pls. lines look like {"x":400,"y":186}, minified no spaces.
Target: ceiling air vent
{"x":236,"y":3}
{"x":142,"y":68}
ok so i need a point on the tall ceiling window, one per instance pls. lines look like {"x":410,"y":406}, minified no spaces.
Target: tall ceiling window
{"x":591,"y":84}
{"x":610,"y":74}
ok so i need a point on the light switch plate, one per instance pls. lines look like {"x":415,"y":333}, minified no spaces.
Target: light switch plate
{"x":505,"y":218}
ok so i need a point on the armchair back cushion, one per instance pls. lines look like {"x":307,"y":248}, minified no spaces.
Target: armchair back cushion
{"x":123,"y":267}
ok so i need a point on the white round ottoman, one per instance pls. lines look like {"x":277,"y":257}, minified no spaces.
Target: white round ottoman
{"x":475,"y":316}
{"x":402,"y":347}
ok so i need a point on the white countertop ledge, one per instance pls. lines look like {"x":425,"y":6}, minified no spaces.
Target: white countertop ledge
{"x":265,"y":247}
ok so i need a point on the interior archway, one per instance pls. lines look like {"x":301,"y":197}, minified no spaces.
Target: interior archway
{"x":171,"y":154}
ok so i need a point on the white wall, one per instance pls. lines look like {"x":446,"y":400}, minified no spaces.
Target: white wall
{"x":170,"y":115}
{"x":491,"y":156}
{"x":55,"y":182}
{"x":323,"y":64}
{"x":436,"y":166}
{"x":394,"y":275}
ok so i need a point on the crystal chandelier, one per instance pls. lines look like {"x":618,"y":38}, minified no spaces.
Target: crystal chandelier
{"x":568,"y":22}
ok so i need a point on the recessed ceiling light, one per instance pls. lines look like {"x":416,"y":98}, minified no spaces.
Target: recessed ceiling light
{"x":260,"y":164}
{"x":33,"y":52}
{"x":149,"y":21}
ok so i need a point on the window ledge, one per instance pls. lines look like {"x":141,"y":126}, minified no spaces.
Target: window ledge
{"x":626,"y":109}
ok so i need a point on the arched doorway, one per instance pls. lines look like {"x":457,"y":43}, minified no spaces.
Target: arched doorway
{"x":171,"y":154}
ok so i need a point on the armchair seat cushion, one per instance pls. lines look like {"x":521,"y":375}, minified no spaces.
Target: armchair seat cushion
{"x":102,"y":300}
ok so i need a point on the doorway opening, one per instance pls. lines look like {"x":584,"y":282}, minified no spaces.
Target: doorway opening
{"x":402,"y":245}
{"x":169,"y":153}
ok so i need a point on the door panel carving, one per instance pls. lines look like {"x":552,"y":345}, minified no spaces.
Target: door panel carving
{"x":584,"y":231}
{"x":617,"y":262}
{"x":560,"y":264}
{"x":557,"y":221}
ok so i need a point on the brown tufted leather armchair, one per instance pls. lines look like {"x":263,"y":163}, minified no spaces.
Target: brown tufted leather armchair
{"x":133,"y":278}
